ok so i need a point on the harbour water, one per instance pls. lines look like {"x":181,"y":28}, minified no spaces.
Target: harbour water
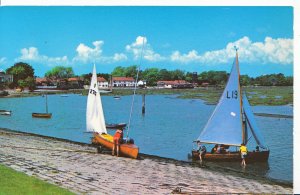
{"x":167,"y":129}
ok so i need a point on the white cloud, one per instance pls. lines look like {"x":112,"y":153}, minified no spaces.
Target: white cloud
{"x":87,"y":54}
{"x":148,"y":54}
{"x":277,"y":51}
{"x":119,"y":57}
{"x":32,"y":54}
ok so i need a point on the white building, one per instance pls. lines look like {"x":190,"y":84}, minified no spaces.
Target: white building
{"x":123,"y":81}
{"x":102,"y":82}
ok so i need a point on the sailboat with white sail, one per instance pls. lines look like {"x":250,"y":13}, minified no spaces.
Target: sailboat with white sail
{"x":95,"y":122}
{"x":231,"y":124}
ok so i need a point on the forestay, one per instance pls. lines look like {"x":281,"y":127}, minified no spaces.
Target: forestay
{"x":95,"y":121}
{"x":225,"y":125}
{"x":252,"y":124}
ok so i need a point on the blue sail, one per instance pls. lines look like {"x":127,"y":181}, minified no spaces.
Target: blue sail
{"x":252,"y":124}
{"x":225,"y":126}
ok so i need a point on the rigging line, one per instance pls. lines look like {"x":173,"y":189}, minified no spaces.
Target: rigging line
{"x":135,"y":84}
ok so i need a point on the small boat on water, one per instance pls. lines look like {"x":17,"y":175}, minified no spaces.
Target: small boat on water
{"x":64,"y":96}
{"x":5,"y":112}
{"x":116,"y":126}
{"x":117,"y":97}
{"x":43,"y":115}
{"x":231,"y":124}
{"x":95,"y":123}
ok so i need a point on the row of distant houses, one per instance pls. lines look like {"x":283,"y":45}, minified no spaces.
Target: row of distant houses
{"x":77,"y":82}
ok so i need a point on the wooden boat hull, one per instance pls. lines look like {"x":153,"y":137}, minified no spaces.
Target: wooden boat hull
{"x":106,"y":140}
{"x":41,"y":115}
{"x":261,"y":156}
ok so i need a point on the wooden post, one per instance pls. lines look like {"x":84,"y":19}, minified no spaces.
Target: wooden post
{"x":143,"y":105}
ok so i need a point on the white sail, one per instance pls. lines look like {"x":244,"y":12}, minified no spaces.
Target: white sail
{"x":95,"y":121}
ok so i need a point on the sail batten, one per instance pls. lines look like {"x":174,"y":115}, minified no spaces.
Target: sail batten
{"x":95,"y":121}
{"x":226,"y":125}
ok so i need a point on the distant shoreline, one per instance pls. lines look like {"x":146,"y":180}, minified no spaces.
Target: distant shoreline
{"x":263,"y":95}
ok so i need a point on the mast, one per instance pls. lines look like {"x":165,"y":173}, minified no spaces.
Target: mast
{"x":135,"y":84}
{"x":244,"y":136}
{"x":46,"y":104}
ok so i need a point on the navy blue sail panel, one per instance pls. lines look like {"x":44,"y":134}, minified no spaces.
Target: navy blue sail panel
{"x":225,"y":124}
{"x":252,"y":124}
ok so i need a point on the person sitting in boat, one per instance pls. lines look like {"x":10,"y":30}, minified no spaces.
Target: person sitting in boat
{"x":257,"y":149}
{"x":224,"y":149}
{"x":214,"y":149}
{"x":201,"y":150}
{"x":244,"y":151}
{"x":219,"y":149}
{"x":118,"y":137}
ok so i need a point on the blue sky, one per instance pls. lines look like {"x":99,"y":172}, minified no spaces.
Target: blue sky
{"x":189,"y":38}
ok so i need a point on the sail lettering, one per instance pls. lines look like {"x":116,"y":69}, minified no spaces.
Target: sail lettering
{"x":232,"y":95}
{"x":93,"y":92}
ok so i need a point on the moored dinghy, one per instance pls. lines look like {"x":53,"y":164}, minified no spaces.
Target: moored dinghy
{"x":231,"y":123}
{"x":95,"y":122}
{"x":5,"y":112}
{"x":43,"y":115}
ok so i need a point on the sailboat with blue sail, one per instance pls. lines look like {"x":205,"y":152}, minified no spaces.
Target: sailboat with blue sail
{"x":231,"y":124}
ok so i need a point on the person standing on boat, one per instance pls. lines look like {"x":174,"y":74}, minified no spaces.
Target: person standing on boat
{"x":244,"y":151}
{"x":118,"y":137}
{"x":201,"y":149}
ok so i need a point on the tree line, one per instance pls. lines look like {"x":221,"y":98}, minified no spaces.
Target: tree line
{"x":152,"y":75}
{"x":23,"y":76}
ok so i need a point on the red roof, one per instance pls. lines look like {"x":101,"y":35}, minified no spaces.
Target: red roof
{"x":40,"y":80}
{"x":74,"y":79}
{"x":123,"y":79}
{"x":101,"y":79}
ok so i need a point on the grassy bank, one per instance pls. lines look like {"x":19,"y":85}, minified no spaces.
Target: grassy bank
{"x":256,"y":95}
{"x":13,"y":182}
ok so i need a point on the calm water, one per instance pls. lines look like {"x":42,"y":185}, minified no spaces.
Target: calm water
{"x":168,"y":128}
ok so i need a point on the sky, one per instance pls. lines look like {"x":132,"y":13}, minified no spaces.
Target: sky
{"x":190,"y":38}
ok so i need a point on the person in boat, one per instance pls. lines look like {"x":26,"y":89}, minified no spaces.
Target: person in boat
{"x":257,"y":149}
{"x":219,"y":149}
{"x":118,"y":137}
{"x":243,"y":151}
{"x":214,"y":149}
{"x":201,"y":150}
{"x":224,"y":149}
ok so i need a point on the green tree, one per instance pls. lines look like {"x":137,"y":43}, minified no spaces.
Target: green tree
{"x":151,"y":76}
{"x":28,"y":82}
{"x":213,"y":77}
{"x":164,"y":75}
{"x":289,"y":80}
{"x":60,"y":72}
{"x":131,"y":71}
{"x":177,"y":75}
{"x":119,"y":71}
{"x":245,"y":80}
{"x":20,"y":71}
